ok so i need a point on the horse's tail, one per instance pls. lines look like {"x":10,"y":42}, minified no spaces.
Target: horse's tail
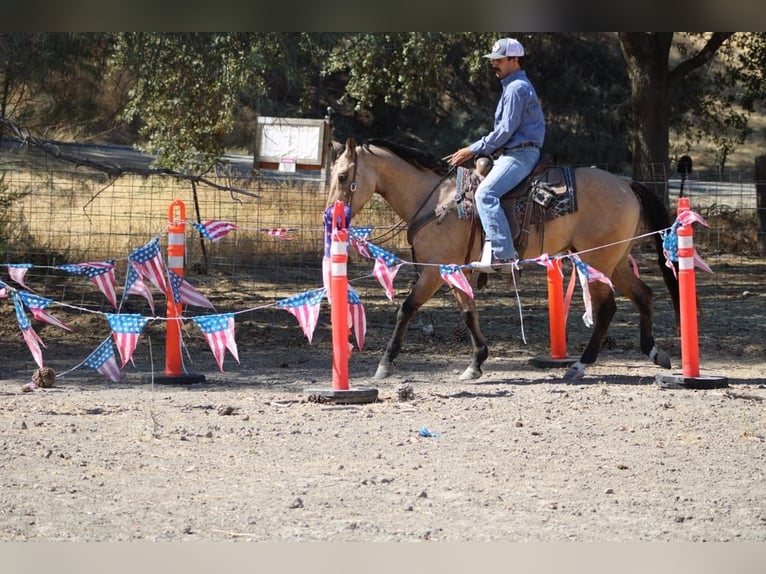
{"x":657,"y":218}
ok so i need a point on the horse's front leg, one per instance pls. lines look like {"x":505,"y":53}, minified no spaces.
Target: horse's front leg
{"x":424,"y":288}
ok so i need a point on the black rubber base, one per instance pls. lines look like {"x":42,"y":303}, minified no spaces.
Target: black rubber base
{"x":188,"y":379}
{"x":350,"y":396}
{"x":550,"y":362}
{"x":681,"y":382}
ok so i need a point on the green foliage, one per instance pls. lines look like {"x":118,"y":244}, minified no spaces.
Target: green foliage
{"x":185,"y":91}
{"x":189,"y":96}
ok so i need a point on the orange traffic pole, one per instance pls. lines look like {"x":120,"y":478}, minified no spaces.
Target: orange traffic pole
{"x":690,"y":377}
{"x":687,"y":285}
{"x":556,"y":318}
{"x":339,"y":297}
{"x":176,"y":247}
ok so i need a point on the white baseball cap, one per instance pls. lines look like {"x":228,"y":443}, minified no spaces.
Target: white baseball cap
{"x":506,"y":48}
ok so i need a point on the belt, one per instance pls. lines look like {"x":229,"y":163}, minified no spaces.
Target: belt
{"x":525,"y":144}
{"x":502,"y":150}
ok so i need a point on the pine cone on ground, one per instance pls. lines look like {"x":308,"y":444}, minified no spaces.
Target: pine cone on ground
{"x":44,"y":377}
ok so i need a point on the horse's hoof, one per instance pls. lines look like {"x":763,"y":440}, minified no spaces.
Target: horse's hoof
{"x":574,"y":373}
{"x":662,"y":359}
{"x":470,"y":374}
{"x":384,"y":371}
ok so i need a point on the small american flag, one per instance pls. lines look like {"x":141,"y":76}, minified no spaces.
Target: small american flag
{"x":213,"y":230}
{"x":304,"y":307}
{"x":279,"y":233}
{"x":386,"y":267}
{"x":586,"y":273}
{"x":385,"y":276}
{"x":125,"y":329}
{"x":31,"y":338}
{"x":219,"y":334}
{"x":37,"y":304}
{"x":34,"y":341}
{"x":134,"y":285}
{"x":102,"y":274}
{"x":454,"y":276}
{"x":104,"y":361}
{"x":18,"y":272}
{"x":148,"y":262}
{"x":358,"y":238}
{"x":183,"y":292}
{"x":358,"y":318}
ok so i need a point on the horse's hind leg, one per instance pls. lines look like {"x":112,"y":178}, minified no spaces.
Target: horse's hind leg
{"x":424,"y":288}
{"x":641,"y":295}
{"x":478,"y":342}
{"x":604,"y":307}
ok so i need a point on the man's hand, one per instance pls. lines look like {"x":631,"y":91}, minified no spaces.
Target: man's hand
{"x":460,"y":156}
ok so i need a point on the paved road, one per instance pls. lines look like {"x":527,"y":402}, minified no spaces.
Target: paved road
{"x":126,"y":156}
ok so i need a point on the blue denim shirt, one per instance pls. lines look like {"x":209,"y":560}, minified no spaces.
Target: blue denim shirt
{"x":518,"y":117}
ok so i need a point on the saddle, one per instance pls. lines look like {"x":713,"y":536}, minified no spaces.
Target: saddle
{"x":546,"y":193}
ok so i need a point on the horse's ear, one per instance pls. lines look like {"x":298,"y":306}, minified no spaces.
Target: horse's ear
{"x":351,"y":147}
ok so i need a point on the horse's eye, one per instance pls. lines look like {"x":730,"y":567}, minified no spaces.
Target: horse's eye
{"x":342,"y":176}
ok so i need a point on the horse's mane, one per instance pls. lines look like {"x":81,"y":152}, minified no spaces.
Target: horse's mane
{"x":420,"y":159}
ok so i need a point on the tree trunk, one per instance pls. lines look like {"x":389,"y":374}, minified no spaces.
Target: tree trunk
{"x":760,"y":194}
{"x":646,"y":57}
{"x":653,"y":84}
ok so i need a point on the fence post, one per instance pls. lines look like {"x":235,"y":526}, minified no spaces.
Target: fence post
{"x":760,"y":201}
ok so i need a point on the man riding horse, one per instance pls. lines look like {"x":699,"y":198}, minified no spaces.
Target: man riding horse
{"x":515,"y":142}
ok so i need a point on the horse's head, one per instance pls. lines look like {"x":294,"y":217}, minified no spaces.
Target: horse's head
{"x":350,"y":183}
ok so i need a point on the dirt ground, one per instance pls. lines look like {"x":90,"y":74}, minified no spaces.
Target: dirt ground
{"x":517,"y":455}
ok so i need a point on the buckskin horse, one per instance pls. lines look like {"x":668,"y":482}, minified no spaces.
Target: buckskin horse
{"x":416,"y":184}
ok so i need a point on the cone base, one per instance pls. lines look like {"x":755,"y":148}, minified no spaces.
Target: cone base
{"x":351,"y":396}
{"x":187,"y":379}
{"x":550,"y":362}
{"x":682,"y":382}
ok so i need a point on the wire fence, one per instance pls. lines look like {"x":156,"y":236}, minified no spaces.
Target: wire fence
{"x":53,"y":216}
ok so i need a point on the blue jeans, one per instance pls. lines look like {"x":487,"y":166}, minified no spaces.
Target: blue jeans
{"x":508,"y":171}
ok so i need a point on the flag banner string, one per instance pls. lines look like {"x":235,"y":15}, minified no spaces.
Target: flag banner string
{"x":146,"y":262}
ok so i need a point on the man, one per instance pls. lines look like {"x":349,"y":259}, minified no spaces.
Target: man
{"x":515,"y":142}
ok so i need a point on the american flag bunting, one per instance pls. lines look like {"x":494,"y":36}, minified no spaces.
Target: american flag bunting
{"x":134,"y":285}
{"x":219,"y":334}
{"x":101,"y":273}
{"x":454,"y":276}
{"x":37,"y":305}
{"x":385,"y":276}
{"x":18,"y":272}
{"x":358,"y":318}
{"x":148,"y":262}
{"x":31,"y":338}
{"x":213,"y":230}
{"x":183,"y":292}
{"x":305,"y":308}
{"x":104,"y":361}
{"x":279,"y":233}
{"x":126,"y":329}
{"x":358,"y":238}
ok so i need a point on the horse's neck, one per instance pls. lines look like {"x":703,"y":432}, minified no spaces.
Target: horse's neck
{"x":408,"y":189}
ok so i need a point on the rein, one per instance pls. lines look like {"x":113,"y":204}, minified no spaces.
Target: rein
{"x":417,"y":223}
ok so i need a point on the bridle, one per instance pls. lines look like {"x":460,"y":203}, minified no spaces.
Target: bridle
{"x":351,"y":186}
